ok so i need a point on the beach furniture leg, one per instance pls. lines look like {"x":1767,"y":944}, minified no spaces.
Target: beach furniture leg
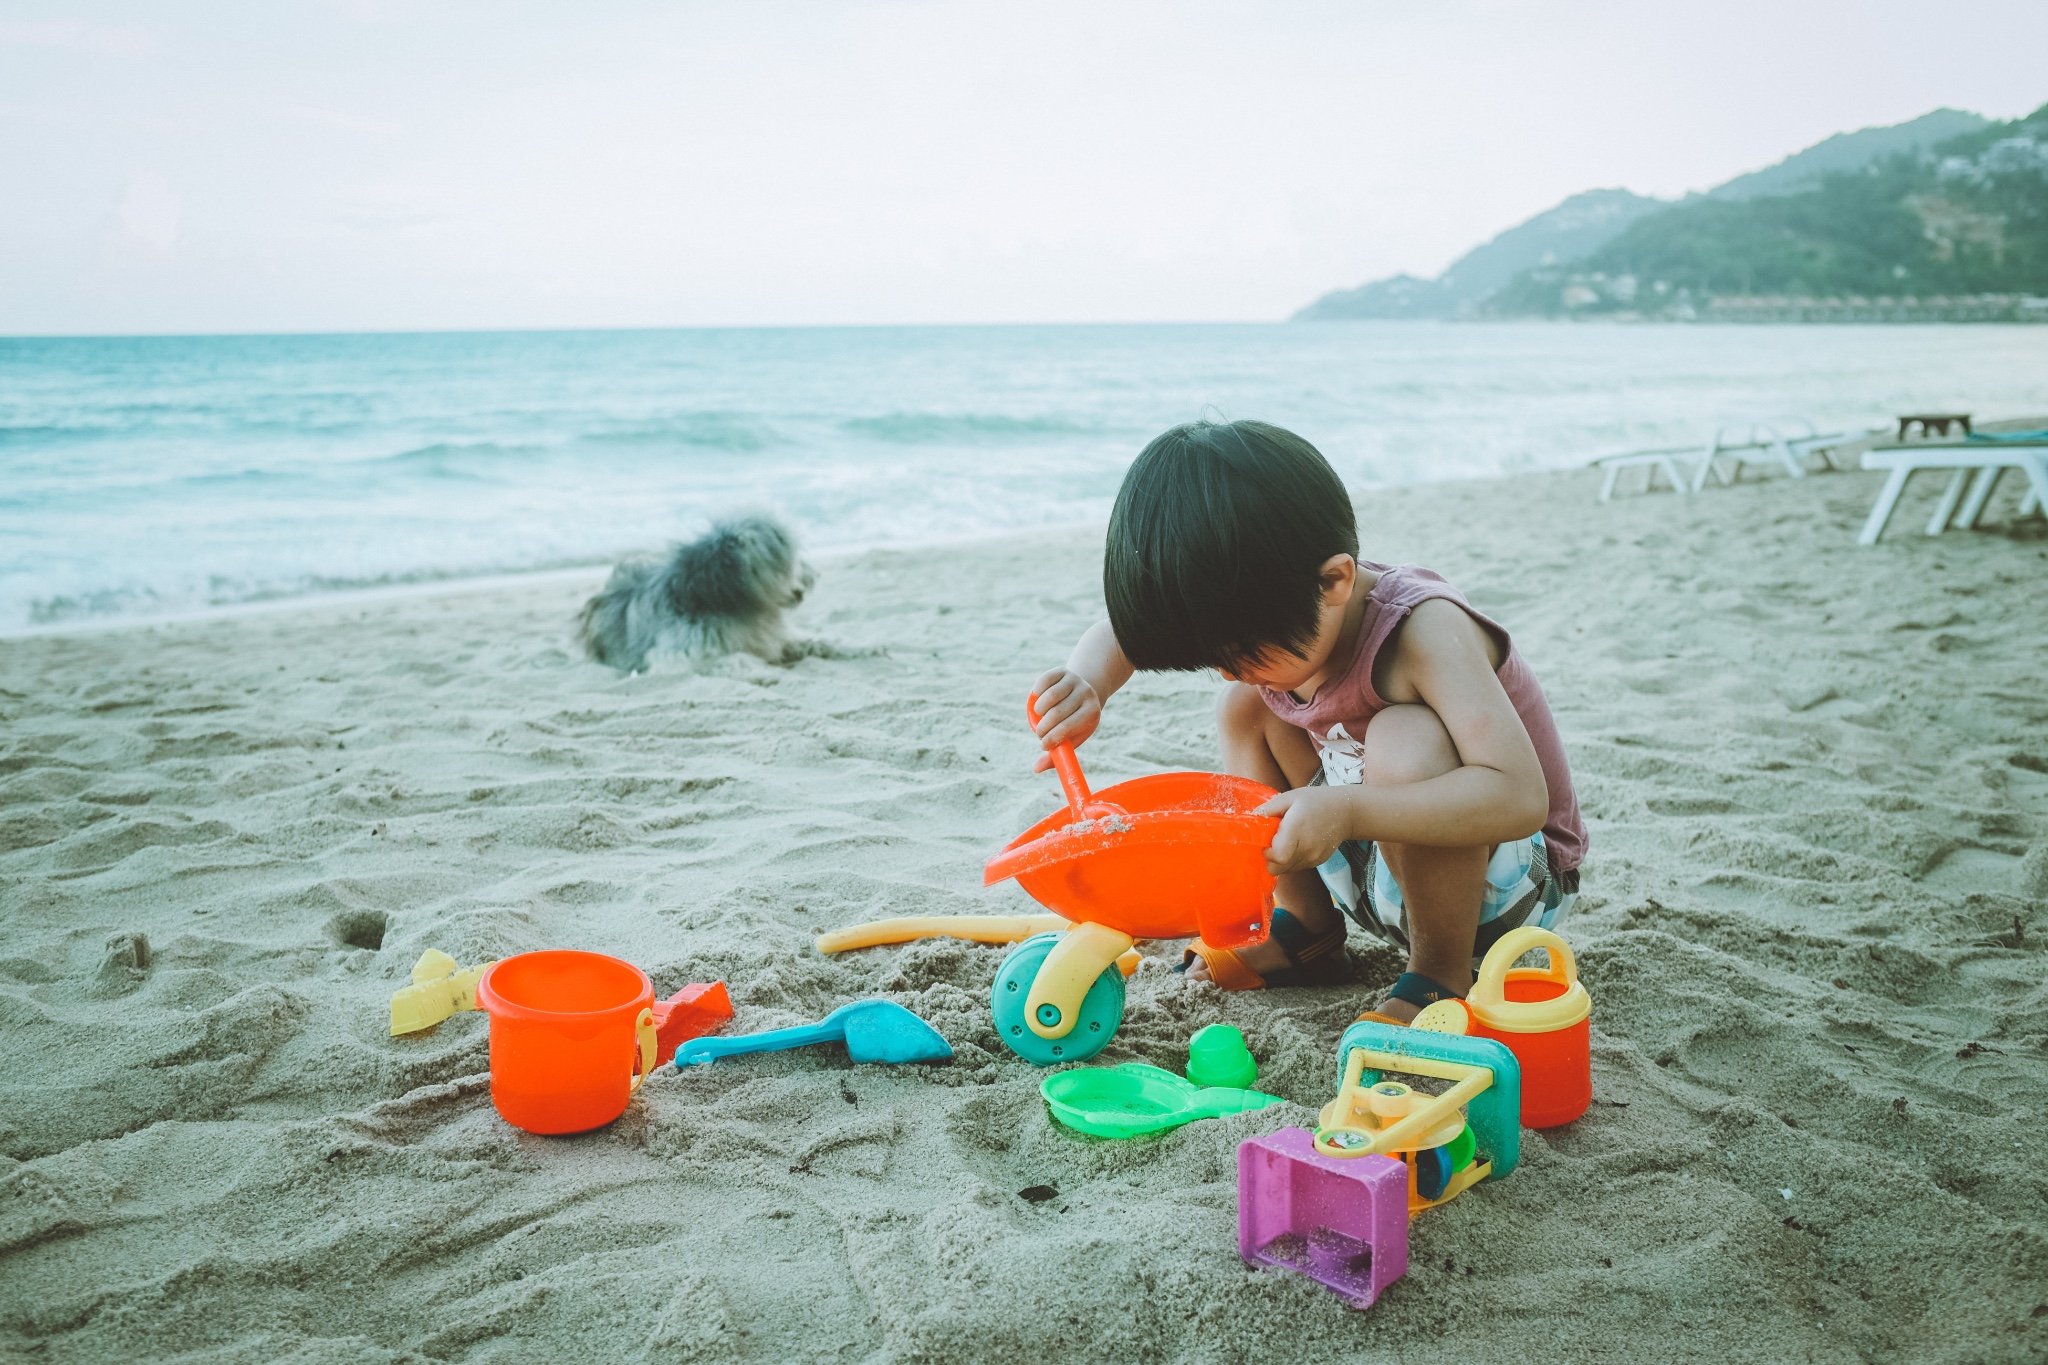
{"x":1607,"y":485}
{"x":1793,"y":466}
{"x":1821,"y":446}
{"x":1980,"y":493}
{"x":1670,"y":468}
{"x":1707,"y":453}
{"x":1946,"y":508}
{"x":1887,"y":499}
{"x":1728,"y":476}
{"x":2037,"y":477}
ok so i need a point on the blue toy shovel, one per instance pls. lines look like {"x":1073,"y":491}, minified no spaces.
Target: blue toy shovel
{"x":873,"y":1031}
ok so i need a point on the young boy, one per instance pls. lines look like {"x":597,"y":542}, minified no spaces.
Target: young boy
{"x":1422,"y":783}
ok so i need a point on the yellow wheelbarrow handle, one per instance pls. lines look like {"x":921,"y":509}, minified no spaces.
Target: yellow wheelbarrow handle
{"x":976,"y":928}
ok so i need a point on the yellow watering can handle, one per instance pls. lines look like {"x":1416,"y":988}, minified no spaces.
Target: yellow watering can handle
{"x":1488,"y":997}
{"x":643,"y":1029}
{"x":1493,"y":973}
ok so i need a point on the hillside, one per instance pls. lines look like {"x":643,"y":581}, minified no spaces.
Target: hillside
{"x":1578,"y":226}
{"x":1968,"y":218}
{"x":1756,"y":229}
{"x":1850,"y":152}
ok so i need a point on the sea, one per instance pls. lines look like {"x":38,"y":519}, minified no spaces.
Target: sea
{"x":149,"y":477}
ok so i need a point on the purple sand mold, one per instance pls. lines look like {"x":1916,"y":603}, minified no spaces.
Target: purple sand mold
{"x":1341,"y":1221}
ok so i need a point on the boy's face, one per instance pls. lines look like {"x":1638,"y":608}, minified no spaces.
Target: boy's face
{"x":1277,"y":669}
{"x":1284,"y":671}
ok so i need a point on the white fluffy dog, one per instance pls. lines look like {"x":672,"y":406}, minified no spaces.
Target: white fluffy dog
{"x":720,"y":594}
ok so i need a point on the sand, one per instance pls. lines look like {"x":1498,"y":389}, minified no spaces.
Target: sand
{"x":1814,"y":924}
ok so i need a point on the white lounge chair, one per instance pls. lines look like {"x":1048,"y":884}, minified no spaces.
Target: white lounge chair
{"x":1667,"y":460}
{"x":1687,"y":467}
{"x":1770,"y":443}
{"x":1984,"y":459}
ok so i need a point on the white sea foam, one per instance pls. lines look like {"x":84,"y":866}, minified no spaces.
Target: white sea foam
{"x":152,"y":476}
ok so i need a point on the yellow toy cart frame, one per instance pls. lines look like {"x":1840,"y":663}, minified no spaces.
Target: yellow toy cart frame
{"x":1374,"y":1117}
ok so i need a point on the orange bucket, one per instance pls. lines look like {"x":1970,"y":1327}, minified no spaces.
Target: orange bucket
{"x":564,"y":1025}
{"x":1544,"y":1016}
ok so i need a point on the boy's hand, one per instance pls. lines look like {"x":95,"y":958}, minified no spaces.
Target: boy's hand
{"x":1313,"y":821}
{"x":1068,"y":711}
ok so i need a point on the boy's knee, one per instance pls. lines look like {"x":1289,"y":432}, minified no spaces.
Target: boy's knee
{"x":1406,"y":744}
{"x":1241,"y":710}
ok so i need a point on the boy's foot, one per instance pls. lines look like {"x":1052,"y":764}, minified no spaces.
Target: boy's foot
{"x":1260,"y":957}
{"x":1293,"y":954}
{"x":1414,"y":993}
{"x":1400,"y":1011}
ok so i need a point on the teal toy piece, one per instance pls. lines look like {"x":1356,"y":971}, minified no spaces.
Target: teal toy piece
{"x":1134,"y":1099}
{"x":1495,"y":1114}
{"x":1102,"y":1009}
{"x":873,"y":1031}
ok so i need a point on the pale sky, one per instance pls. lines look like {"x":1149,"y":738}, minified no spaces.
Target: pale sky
{"x":372,"y":164}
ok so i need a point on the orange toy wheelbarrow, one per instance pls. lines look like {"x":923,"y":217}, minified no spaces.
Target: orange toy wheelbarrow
{"x":1167,"y":856}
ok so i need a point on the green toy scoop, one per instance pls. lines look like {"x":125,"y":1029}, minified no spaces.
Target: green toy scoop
{"x":1132,"y":1099}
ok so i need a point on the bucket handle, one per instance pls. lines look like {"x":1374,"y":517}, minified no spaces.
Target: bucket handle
{"x":643,"y":1030}
{"x":1490,"y":990}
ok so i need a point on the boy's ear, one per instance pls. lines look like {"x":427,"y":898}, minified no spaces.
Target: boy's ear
{"x":1339,"y":576}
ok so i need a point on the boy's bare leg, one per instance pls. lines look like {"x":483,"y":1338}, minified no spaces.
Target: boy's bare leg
{"x":1442,"y":887}
{"x":1259,"y":745}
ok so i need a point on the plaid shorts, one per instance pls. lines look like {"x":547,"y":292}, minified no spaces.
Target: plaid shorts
{"x":1520,"y":889}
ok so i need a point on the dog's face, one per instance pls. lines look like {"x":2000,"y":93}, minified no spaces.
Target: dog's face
{"x":801,"y":577}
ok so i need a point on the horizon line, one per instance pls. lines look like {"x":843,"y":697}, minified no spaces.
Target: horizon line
{"x":540,"y":330}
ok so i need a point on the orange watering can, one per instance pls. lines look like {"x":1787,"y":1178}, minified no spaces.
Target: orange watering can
{"x":1167,"y":856}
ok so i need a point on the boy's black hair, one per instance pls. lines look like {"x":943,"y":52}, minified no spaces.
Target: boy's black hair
{"x":1216,"y":544}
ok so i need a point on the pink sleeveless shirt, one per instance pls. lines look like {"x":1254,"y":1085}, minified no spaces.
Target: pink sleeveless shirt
{"x":1346,"y":703}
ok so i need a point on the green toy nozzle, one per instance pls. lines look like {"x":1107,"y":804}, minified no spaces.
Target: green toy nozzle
{"x":1217,"y":1056}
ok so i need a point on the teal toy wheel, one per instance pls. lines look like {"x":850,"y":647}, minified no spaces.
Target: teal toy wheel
{"x":1102,"y":1009}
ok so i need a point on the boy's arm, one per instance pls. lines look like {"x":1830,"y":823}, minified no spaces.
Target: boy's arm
{"x":1070,"y":699}
{"x":1498,"y":793}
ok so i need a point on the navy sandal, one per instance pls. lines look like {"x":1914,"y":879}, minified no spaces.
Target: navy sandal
{"x":1422,"y":991}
